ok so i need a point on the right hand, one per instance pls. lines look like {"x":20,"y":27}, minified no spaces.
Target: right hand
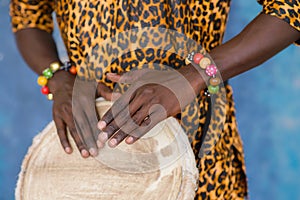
{"x":83,"y":133}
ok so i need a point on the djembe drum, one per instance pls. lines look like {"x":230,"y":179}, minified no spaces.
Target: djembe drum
{"x":160,"y":166}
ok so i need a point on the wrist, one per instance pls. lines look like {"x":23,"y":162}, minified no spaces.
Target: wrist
{"x":194,"y":77}
{"x":61,"y":79}
{"x":56,"y":76}
{"x":204,"y":73}
{"x":223,"y":60}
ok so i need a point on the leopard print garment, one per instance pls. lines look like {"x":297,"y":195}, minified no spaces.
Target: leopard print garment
{"x":93,"y":33}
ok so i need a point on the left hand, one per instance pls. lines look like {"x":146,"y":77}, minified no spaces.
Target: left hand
{"x":152,"y":97}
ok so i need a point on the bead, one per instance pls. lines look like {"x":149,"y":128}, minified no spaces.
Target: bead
{"x":45,"y":90}
{"x":211,"y":70}
{"x":42,"y":81}
{"x":197,"y":57}
{"x":47,"y":73}
{"x":215,"y":81}
{"x":50,"y":96}
{"x":73,"y":70}
{"x":54,"y":66}
{"x":204,"y":62}
{"x":187,"y":61}
{"x":213,"y":89}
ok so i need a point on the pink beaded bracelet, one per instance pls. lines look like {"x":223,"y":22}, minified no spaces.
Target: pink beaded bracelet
{"x":210,"y":69}
{"x":49,"y":72}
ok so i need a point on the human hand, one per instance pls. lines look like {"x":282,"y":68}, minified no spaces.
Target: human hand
{"x":74,"y":107}
{"x":152,"y":97}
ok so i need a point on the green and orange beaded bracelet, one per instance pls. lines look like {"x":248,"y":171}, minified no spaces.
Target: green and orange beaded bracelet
{"x":48,"y":74}
{"x":210,"y":69}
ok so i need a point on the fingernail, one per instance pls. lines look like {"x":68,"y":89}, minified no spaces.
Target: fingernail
{"x":84,"y":153}
{"x":129,"y":140}
{"x":101,"y":125}
{"x":68,"y":149}
{"x":100,"y":145}
{"x":113,"y":142}
{"x":103,"y":137}
{"x":93,"y":152}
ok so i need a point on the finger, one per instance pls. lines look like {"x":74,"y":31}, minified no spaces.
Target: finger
{"x":113,"y":96}
{"x":148,"y":123}
{"x":84,"y":112}
{"x":124,"y":117}
{"x":113,"y":77}
{"x":68,"y":118}
{"x":84,"y":129}
{"x":104,"y":91}
{"x":131,"y":139}
{"x":62,"y":134}
{"x":128,"y":77}
{"x":119,"y":105}
{"x":107,"y":132}
{"x":79,"y":142}
{"x":129,"y":126}
{"x":136,"y":120}
{"x":100,"y":145}
{"x":85,"y":119}
{"x":117,"y":138}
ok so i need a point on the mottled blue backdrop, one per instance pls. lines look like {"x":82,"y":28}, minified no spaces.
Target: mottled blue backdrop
{"x":267,"y":102}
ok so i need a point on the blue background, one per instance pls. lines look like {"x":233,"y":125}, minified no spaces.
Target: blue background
{"x":267,"y":102}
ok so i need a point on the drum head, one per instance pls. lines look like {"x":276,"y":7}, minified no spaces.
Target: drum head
{"x":160,"y":166}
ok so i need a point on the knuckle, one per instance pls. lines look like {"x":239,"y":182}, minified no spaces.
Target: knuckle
{"x":147,"y":122}
{"x":155,"y":100}
{"x":56,"y":112}
{"x":73,"y":130}
{"x":136,"y":119}
{"x":119,"y":137}
{"x":64,"y":142}
{"x":108,"y":116}
{"x":79,"y":143}
{"x":60,"y":131}
{"x":124,"y":114}
{"x":111,"y":128}
{"x":66,"y":107}
{"x":80,"y":146}
{"x":148,"y":90}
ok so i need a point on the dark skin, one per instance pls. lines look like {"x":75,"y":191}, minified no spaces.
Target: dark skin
{"x":260,"y":40}
{"x":42,"y":52}
{"x":264,"y":37}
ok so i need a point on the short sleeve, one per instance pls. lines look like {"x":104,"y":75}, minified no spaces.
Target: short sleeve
{"x":287,"y":10}
{"x":32,"y":14}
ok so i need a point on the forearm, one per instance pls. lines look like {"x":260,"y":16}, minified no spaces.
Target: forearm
{"x":37,"y":48}
{"x":264,"y":37}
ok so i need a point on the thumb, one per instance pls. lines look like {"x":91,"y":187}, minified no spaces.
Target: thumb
{"x":128,"y":77}
{"x":113,"y":77}
{"x":106,"y":92}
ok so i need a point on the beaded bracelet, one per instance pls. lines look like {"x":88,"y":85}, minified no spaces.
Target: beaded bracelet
{"x":49,"y":72}
{"x":211,"y":70}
